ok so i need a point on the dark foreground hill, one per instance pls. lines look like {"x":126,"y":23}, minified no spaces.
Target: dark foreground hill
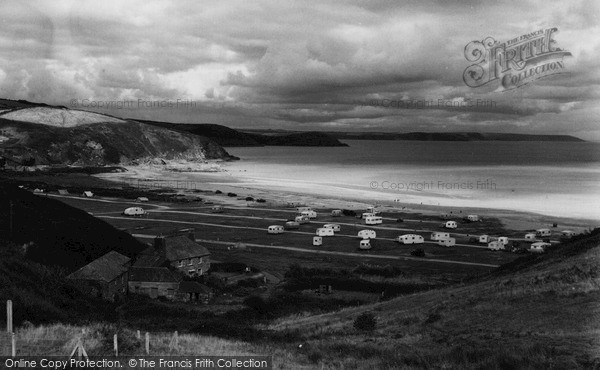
{"x":55,"y":234}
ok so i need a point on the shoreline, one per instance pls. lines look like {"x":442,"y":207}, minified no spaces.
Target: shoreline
{"x":323,"y":195}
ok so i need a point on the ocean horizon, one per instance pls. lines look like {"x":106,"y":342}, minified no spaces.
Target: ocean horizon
{"x":551,"y":178}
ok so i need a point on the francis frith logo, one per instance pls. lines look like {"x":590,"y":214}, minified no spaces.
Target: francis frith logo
{"x":515,"y":62}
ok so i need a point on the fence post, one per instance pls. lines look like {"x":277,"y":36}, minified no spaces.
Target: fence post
{"x":116,"y":345}
{"x":9,"y":316}
{"x":139,"y":336}
{"x":147,"y":343}
{"x":13,"y":351}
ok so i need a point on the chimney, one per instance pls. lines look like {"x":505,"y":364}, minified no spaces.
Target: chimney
{"x":191,"y":236}
{"x":159,"y":242}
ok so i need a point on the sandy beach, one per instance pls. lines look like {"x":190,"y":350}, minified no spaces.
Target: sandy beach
{"x":281,"y":192}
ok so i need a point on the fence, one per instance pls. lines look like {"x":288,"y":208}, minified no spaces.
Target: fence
{"x":13,"y":344}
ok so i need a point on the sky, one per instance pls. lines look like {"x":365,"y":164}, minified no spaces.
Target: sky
{"x":356,"y":65}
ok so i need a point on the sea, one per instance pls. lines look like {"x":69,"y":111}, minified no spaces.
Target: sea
{"x":549,"y":178}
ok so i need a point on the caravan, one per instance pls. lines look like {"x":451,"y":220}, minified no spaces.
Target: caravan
{"x":302,"y":219}
{"x":336,"y":213}
{"x":324,"y":232}
{"x":496,"y":245}
{"x":411,"y":239}
{"x":450,"y":225}
{"x":367,"y":214}
{"x":439,"y":235}
{"x":134,"y":211}
{"x":543,"y":232}
{"x":275,"y":229}
{"x":367,"y":234}
{"x":365,"y":244}
{"x":530,"y":236}
{"x":373,"y":220}
{"x":503,"y":240}
{"x":335,"y":227}
{"x":291,"y":225}
{"x":484,"y":239}
{"x":448,"y":242}
{"x":309,"y":214}
{"x":539,"y":247}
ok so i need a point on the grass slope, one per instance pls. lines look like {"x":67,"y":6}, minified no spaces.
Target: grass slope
{"x":538,"y":312}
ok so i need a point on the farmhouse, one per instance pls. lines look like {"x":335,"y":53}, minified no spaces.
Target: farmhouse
{"x":105,"y":277}
{"x":153,"y":281}
{"x":180,"y":252}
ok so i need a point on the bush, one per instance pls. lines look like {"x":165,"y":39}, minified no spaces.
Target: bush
{"x":249,"y":199}
{"x":365,"y":322}
{"x":348,"y":212}
{"x":399,"y":220}
{"x":257,"y":304}
{"x":218,"y":192}
{"x":418,"y":252}
{"x":260,"y":200}
{"x":231,"y":194}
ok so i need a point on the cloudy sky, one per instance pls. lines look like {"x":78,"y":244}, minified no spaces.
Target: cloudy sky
{"x":300,"y":65}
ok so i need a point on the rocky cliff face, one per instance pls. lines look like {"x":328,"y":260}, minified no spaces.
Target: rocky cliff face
{"x":64,"y":137}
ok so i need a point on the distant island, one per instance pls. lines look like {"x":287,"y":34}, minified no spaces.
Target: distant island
{"x":450,"y":136}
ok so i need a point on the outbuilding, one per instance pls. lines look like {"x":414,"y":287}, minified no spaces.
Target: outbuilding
{"x":275,"y":229}
{"x":367,"y":234}
{"x":411,"y":239}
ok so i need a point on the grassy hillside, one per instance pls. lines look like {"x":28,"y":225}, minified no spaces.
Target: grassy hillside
{"x":53,"y":233}
{"x":538,"y":312}
{"x":230,"y":137}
